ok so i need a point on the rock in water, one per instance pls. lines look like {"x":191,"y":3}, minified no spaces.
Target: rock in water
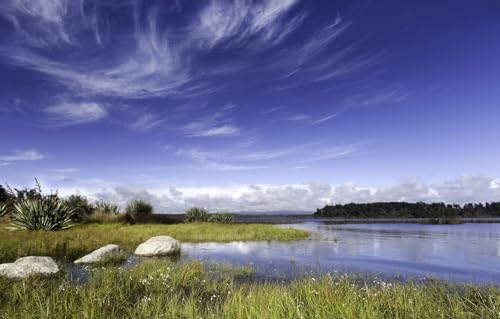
{"x":31,"y":265}
{"x":99,"y":255}
{"x":158,"y":246}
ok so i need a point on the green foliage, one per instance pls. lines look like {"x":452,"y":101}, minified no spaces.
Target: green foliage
{"x":222,"y":218}
{"x":139,"y":211}
{"x":3,"y":209}
{"x":106,"y":208}
{"x":4,"y":195}
{"x":409,"y":210}
{"x":161,"y":289}
{"x":46,"y":213}
{"x":196,"y":214}
{"x":81,"y":206}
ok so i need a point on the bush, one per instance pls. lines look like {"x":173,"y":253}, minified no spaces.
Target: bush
{"x":138,"y":211}
{"x":81,"y":206}
{"x":106,"y":208}
{"x":45,"y":213}
{"x":196,"y":214}
{"x":223,"y":218}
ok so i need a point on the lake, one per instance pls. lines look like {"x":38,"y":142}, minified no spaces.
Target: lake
{"x":463,"y":253}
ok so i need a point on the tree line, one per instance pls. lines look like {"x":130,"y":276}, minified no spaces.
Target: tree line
{"x":409,"y":210}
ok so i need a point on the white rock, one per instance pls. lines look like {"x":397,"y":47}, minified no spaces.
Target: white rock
{"x":100,"y":254}
{"x":158,"y":246}
{"x":31,"y":265}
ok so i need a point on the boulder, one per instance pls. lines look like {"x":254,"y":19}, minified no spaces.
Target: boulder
{"x":99,"y":255}
{"x":158,"y":246}
{"x":31,"y":265}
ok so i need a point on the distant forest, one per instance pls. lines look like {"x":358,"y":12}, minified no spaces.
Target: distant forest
{"x":409,"y":210}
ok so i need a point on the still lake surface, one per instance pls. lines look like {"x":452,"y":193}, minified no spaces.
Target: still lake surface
{"x":463,"y":253}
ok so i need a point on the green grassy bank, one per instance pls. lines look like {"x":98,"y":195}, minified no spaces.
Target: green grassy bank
{"x":77,"y":241}
{"x":159,"y":289}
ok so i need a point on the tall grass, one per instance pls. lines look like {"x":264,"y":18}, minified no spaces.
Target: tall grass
{"x":160,"y":289}
{"x":82,"y":239}
{"x":139,"y":211}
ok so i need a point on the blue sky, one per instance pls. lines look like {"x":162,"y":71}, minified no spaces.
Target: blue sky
{"x":252,"y":105}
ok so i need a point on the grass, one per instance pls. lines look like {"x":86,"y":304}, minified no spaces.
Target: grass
{"x":159,"y":289}
{"x":74,"y":243}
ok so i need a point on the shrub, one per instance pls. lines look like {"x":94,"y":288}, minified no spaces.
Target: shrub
{"x":223,"y":218}
{"x":138,"y":211}
{"x":45,"y":213}
{"x":196,"y":214}
{"x":106,"y":208}
{"x":81,"y":206}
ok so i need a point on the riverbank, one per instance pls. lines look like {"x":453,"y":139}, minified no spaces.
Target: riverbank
{"x":160,"y":289}
{"x":78,"y":241}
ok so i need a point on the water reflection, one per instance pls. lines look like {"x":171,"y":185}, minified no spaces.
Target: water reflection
{"x":467,"y":252}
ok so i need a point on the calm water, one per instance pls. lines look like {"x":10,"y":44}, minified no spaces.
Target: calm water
{"x":465,"y":253}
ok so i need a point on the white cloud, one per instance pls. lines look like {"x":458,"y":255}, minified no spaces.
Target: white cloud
{"x":224,"y":130}
{"x":324,"y":119}
{"x":65,"y":114}
{"x":234,"y":22}
{"x":146,"y":121}
{"x":212,"y":161}
{"x":40,"y":22}
{"x":23,"y":155}
{"x":218,"y":123}
{"x":300,"y":197}
{"x":64,"y":170}
{"x":380,"y":97}
{"x":329,"y":153}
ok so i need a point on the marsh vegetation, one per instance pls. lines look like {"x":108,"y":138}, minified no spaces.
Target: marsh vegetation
{"x":160,"y":289}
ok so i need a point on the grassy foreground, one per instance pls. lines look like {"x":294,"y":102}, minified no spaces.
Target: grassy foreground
{"x":80,"y":240}
{"x":159,"y":289}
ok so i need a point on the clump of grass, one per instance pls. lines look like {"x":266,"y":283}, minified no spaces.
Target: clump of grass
{"x":106,"y":208}
{"x":139,"y":211}
{"x":195,"y":214}
{"x":100,"y":217}
{"x":159,"y":289}
{"x":80,"y":240}
{"x":222,"y":218}
{"x":104,"y":212}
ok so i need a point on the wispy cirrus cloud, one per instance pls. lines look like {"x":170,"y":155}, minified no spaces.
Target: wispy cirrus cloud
{"x":218,"y":123}
{"x":329,"y":153}
{"x":41,"y":23}
{"x":324,"y":119}
{"x":209,"y":161}
{"x":383,"y":96}
{"x":23,"y":155}
{"x":292,"y":156}
{"x":224,"y":130}
{"x":146,"y":121}
{"x":232,"y":23}
{"x":152,"y":61}
{"x":66,"y":114}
